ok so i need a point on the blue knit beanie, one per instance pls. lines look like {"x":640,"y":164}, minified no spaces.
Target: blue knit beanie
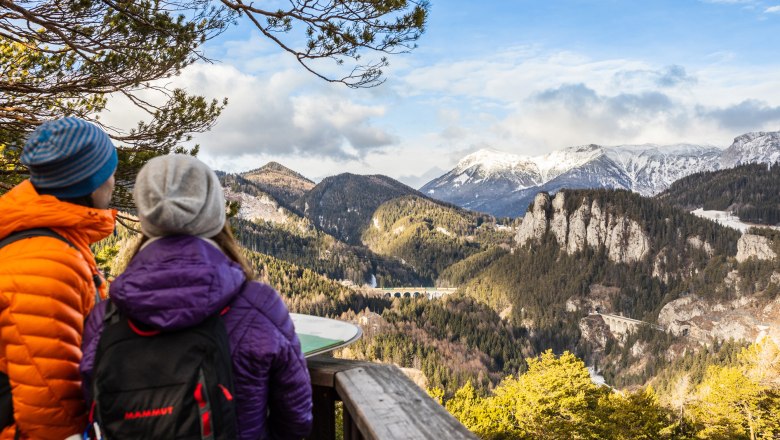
{"x":69,"y":157}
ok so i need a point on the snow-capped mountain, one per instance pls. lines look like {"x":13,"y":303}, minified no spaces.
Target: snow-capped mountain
{"x":504,"y":184}
{"x":759,"y":147}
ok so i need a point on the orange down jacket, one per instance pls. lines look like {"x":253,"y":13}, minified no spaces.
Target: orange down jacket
{"x":46,"y":291}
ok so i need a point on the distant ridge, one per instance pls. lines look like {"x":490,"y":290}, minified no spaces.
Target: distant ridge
{"x":342,"y":205}
{"x":279,"y":181}
{"x":503,"y":184}
{"x":276,"y":167}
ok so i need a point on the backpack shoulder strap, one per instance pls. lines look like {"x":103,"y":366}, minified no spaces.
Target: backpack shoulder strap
{"x":112,"y":315}
{"x":47,"y":232}
{"x":35,"y":232}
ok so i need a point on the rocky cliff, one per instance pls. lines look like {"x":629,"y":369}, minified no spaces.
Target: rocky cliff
{"x":747,"y":318}
{"x":755,"y":246}
{"x":261,"y":207}
{"x":589,"y":225}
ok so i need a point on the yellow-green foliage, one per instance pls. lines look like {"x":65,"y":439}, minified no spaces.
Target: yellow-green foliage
{"x":113,"y":253}
{"x":556,"y":399}
{"x":742,"y":401}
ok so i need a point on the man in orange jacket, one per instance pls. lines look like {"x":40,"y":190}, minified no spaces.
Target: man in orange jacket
{"x":48,"y":284}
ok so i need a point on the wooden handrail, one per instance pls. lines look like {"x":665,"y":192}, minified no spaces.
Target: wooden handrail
{"x":379,"y":401}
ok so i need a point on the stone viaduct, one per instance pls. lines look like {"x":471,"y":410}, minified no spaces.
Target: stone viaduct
{"x":414,"y":292}
{"x":621,"y":325}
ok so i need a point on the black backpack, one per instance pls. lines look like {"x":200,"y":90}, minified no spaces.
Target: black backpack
{"x":163,"y":385}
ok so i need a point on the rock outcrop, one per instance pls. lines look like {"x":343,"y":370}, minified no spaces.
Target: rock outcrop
{"x":535,"y":221}
{"x":597,"y":334}
{"x":698,"y":243}
{"x":755,"y":246}
{"x":589,"y":225}
{"x":258,"y":208}
{"x":559,"y":224}
{"x":598,"y":300}
{"x":745,"y":318}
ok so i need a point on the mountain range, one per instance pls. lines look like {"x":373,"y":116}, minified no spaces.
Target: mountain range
{"x":504,"y":184}
{"x":552,"y":280}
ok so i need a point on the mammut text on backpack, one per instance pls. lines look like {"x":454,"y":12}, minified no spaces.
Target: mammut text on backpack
{"x":163,"y":385}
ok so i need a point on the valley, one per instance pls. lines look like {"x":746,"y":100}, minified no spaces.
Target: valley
{"x":650,"y":298}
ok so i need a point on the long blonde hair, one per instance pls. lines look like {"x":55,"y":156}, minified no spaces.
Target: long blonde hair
{"x":227,"y":243}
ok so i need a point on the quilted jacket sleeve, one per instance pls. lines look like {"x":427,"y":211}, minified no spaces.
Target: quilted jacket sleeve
{"x":41,"y":328}
{"x":290,"y":393}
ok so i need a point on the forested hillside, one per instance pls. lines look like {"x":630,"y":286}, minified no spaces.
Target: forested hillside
{"x":324,"y":254}
{"x":450,"y":341}
{"x":343,"y":205}
{"x":752,"y":192}
{"x":430,"y":236}
{"x":539,"y":277}
{"x":550,"y":287}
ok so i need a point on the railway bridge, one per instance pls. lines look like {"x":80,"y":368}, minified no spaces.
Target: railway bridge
{"x":414,"y":292}
{"x":621,"y":325}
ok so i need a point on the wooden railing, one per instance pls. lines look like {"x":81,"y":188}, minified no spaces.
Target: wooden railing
{"x":379,"y":403}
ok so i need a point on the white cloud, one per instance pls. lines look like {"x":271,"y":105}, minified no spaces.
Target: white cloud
{"x":533,"y":103}
{"x":524,"y":100}
{"x":287,"y":113}
{"x":773,"y":10}
{"x":748,"y":115}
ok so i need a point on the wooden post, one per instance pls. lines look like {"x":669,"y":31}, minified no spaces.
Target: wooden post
{"x":324,"y":400}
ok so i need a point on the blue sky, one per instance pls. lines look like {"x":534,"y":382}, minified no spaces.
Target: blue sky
{"x":526,"y":77}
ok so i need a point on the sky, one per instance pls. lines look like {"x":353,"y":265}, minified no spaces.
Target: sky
{"x":520,"y":76}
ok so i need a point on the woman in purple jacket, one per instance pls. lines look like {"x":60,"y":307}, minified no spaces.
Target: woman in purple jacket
{"x":189,"y":267}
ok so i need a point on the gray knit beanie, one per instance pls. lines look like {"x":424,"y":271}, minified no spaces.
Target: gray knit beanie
{"x":179,"y":194}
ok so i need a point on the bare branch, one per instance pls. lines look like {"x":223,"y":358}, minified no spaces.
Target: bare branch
{"x":124,"y":222}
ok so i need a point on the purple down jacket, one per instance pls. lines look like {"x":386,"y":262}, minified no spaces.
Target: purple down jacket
{"x":176,"y":282}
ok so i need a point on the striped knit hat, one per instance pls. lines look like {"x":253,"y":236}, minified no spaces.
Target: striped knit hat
{"x":69,"y":157}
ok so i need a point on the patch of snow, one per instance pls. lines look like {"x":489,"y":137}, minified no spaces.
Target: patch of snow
{"x":595,"y":377}
{"x":490,"y":160}
{"x":728,"y":219}
{"x":724,"y":218}
{"x":460,"y":180}
{"x":444,"y":231}
{"x":558,"y":162}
